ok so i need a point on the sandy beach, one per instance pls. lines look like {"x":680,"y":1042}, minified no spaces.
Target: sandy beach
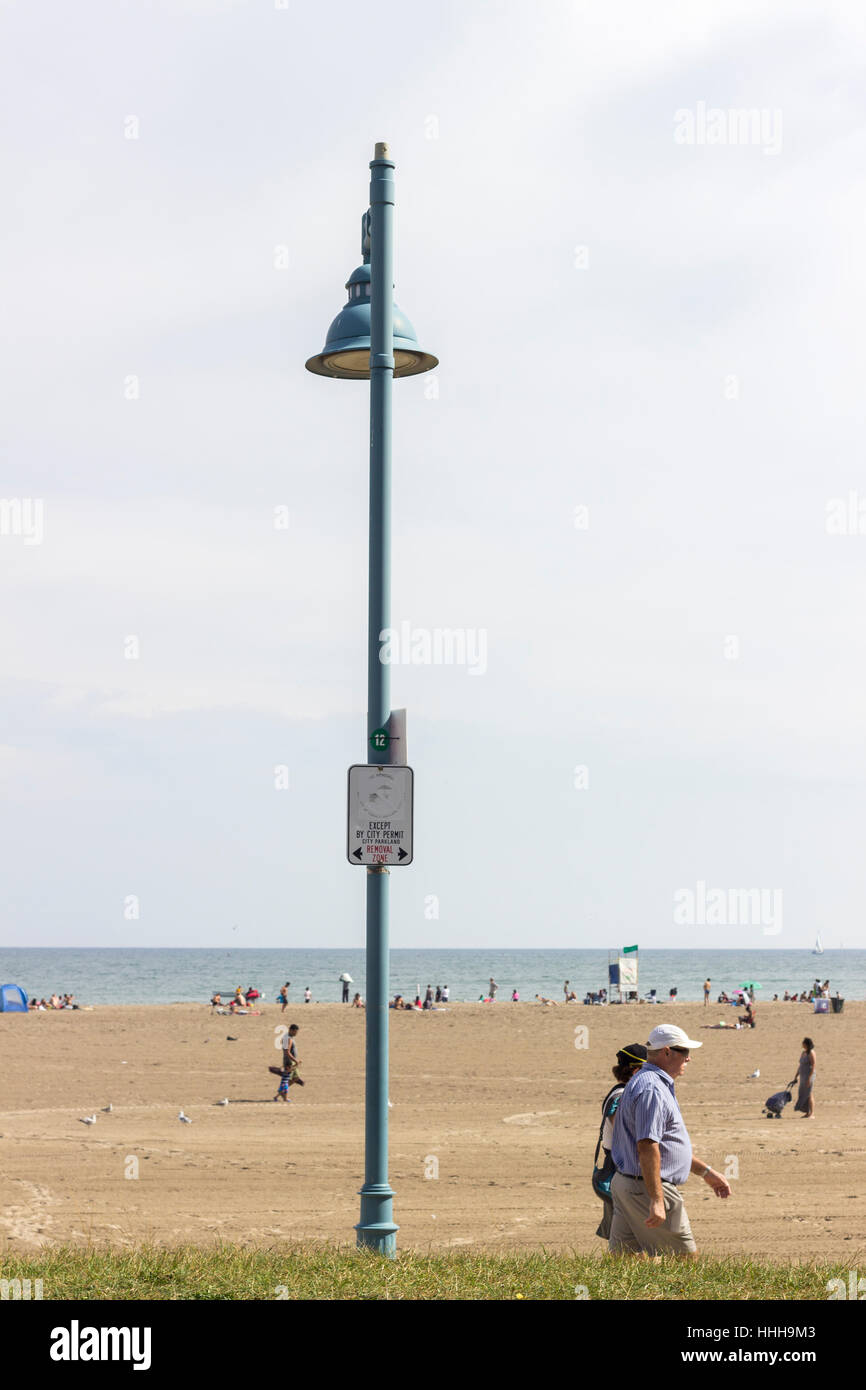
{"x":495,"y":1098}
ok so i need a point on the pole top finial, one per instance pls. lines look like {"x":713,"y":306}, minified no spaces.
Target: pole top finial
{"x":382,"y":150}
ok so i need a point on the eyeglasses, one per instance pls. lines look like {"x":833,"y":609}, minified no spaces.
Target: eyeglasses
{"x":683,"y":1051}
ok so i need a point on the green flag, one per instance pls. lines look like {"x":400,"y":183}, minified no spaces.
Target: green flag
{"x":627,"y":949}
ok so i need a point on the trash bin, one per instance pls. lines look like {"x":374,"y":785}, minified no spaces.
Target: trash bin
{"x":837,"y":1005}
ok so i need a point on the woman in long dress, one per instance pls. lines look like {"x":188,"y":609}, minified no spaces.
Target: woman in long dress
{"x":806,"y":1076}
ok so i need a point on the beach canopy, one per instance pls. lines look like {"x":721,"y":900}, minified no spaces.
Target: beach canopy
{"x":13,"y":1000}
{"x":752,"y":984}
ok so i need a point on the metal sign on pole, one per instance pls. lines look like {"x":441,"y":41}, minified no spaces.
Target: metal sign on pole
{"x":380,"y":814}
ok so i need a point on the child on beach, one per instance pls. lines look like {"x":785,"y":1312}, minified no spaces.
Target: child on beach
{"x":285,"y":1074}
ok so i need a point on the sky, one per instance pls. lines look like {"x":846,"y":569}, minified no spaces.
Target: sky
{"x":635,"y":484}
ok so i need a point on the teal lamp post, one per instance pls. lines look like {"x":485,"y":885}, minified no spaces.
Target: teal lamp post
{"x":371,"y":339}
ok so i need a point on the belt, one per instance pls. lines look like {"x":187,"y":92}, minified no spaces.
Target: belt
{"x":632,"y":1178}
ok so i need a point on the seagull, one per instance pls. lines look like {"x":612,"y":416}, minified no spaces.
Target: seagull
{"x":754,"y":1074}
{"x":88,"y":1120}
{"x":223,"y":1102}
{"x":184,"y":1119}
{"x":107,"y":1109}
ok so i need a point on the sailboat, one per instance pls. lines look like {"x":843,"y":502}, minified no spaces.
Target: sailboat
{"x":819,"y":949}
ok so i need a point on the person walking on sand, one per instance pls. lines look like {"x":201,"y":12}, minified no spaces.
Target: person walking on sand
{"x":629,"y":1060}
{"x":308,"y":995}
{"x":707,"y":983}
{"x":653,"y":1155}
{"x":285,"y":1083}
{"x":291,"y":1060}
{"x":492,"y":990}
{"x":284,"y":996}
{"x":806,"y":1075}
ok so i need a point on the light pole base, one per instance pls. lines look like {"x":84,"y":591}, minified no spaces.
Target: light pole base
{"x":377,"y":1229}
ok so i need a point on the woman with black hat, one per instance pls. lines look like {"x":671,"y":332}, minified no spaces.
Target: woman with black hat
{"x":629,"y":1060}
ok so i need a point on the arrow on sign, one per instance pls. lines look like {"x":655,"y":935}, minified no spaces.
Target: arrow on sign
{"x":401,"y":853}
{"x":357,"y":855}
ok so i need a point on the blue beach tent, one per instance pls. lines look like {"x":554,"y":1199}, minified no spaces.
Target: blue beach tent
{"x":13,"y":1000}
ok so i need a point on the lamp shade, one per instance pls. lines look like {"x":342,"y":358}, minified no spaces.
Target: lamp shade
{"x":346,"y":353}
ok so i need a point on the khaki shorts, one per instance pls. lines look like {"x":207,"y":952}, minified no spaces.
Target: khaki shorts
{"x":629,"y":1231}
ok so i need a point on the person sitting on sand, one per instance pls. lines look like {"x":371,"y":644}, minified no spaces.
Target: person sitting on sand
{"x":55,"y":1002}
{"x":515,"y":997}
{"x":216,"y":1000}
{"x":548,"y":1003}
{"x":398,"y":1002}
{"x":357,"y":1002}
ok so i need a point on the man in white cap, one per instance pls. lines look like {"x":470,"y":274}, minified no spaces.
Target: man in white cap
{"x":653,"y":1155}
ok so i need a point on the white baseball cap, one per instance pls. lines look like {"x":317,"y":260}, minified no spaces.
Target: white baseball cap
{"x":669,"y":1035}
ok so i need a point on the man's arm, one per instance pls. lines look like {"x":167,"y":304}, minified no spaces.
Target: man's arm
{"x":720,"y":1185}
{"x":649,"y":1154}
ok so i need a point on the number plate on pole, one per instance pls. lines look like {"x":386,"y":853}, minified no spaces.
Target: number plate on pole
{"x":380,"y":814}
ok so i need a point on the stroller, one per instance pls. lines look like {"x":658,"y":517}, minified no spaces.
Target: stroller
{"x":775,"y":1104}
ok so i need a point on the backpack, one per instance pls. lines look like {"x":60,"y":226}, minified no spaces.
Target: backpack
{"x":601,"y":1176}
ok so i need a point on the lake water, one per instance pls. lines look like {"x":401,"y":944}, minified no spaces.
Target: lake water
{"x":159,"y":976}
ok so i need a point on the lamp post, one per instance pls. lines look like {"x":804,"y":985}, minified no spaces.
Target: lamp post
{"x":371,"y":339}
